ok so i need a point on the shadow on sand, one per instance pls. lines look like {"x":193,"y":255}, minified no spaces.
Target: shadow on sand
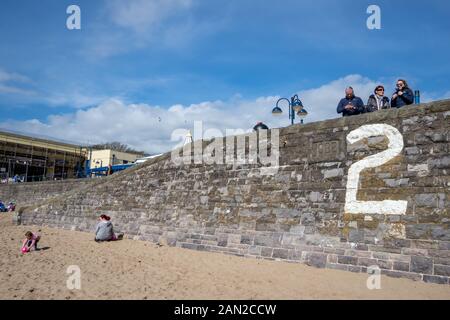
{"x":43,"y":249}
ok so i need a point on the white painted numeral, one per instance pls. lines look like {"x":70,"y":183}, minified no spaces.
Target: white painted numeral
{"x":395,"y":148}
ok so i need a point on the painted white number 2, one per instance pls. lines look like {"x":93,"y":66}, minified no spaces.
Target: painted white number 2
{"x":395,"y":148}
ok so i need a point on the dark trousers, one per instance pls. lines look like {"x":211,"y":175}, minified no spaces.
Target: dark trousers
{"x":29,"y":242}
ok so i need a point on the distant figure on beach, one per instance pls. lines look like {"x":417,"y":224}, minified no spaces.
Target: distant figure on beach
{"x":110,"y":170}
{"x":30,"y":242}
{"x":104,"y":230}
{"x":11,"y":207}
{"x":2,"y":207}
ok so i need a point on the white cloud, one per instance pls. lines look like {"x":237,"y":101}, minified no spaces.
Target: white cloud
{"x":143,"y":15}
{"x":149,"y":128}
{"x":7,"y":76}
{"x":73,"y":99}
{"x":12,"y":83}
{"x":446,"y":95}
{"x":432,"y":96}
{"x":150,"y":24}
{"x":14,"y":90}
{"x":83,"y":95}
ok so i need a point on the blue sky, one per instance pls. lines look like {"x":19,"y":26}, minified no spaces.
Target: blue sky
{"x":223,"y":62}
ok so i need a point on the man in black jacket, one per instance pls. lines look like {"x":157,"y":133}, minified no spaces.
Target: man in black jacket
{"x":350,"y":105}
{"x":403,"y":95}
{"x":260,"y":126}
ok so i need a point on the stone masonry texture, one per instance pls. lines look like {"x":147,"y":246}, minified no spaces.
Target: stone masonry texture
{"x":30,"y":193}
{"x":298,"y":213}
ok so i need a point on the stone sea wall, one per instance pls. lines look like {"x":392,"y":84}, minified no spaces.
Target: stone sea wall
{"x":25,"y":194}
{"x":349,"y":193}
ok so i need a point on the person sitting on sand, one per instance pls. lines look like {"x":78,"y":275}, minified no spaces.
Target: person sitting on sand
{"x":2,"y":207}
{"x":11,"y":207}
{"x":104,"y":230}
{"x":30,"y":242}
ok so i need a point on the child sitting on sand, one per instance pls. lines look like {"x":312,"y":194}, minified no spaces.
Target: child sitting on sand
{"x":31,"y":241}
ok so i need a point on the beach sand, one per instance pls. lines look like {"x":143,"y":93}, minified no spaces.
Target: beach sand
{"x":140,"y":270}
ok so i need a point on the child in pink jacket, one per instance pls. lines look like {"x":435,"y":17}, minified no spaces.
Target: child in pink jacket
{"x":31,"y":241}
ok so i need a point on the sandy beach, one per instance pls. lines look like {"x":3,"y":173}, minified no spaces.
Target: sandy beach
{"x":139,"y":270}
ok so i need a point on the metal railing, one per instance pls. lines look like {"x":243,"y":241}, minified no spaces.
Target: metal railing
{"x":4,"y":179}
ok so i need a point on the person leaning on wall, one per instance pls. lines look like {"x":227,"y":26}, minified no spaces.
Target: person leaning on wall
{"x":260,"y":126}
{"x":350,"y":105}
{"x":403,"y":95}
{"x":378,"y":100}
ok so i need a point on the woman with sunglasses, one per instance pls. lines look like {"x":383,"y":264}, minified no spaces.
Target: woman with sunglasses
{"x":378,"y":100}
{"x":403,"y":95}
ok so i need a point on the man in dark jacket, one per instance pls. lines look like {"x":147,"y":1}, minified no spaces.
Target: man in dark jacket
{"x":350,"y":105}
{"x":403,"y":95}
{"x":260,"y":126}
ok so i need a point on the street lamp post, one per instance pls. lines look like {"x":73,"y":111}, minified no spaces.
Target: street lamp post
{"x":295,"y":107}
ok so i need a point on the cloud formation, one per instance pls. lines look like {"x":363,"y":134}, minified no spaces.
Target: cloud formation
{"x":143,"y":15}
{"x":12,"y":83}
{"x":138,"y":24}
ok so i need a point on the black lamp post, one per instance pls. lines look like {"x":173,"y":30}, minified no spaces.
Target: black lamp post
{"x":295,"y":106}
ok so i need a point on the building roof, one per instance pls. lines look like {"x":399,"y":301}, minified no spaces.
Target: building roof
{"x":9,"y":136}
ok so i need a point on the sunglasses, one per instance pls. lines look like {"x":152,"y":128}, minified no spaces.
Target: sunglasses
{"x":380,"y":90}
{"x":400,"y":84}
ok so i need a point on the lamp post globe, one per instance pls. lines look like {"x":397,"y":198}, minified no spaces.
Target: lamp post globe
{"x":302,"y":114}
{"x":277,"y":111}
{"x":295,"y":106}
